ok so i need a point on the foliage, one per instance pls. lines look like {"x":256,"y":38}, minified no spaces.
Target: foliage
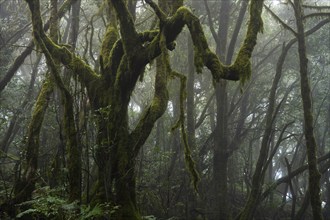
{"x":42,"y":207}
{"x":49,"y":204}
{"x":99,"y":210}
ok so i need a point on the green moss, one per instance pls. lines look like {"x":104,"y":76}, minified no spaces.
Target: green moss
{"x":190,"y":163}
{"x":167,"y":70}
{"x":242,"y":66}
{"x":108,"y":42}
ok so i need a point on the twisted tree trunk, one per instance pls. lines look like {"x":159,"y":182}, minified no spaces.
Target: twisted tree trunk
{"x":122,"y":63}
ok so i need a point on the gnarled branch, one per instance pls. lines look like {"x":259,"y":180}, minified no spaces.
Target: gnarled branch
{"x":61,"y":53}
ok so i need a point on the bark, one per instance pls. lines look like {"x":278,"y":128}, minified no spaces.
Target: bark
{"x":311,"y":146}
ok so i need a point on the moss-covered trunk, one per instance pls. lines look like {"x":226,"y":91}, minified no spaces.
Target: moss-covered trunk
{"x":114,"y":155}
{"x":116,"y":178}
{"x":24,"y":187}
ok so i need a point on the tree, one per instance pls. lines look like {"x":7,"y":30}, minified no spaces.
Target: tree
{"x":223,"y":145}
{"x":122,"y":63}
{"x":314,"y":174}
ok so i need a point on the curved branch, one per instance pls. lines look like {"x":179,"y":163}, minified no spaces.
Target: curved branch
{"x":239,"y":70}
{"x":158,"y":104}
{"x":61,"y":53}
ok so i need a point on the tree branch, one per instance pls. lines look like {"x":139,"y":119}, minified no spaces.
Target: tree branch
{"x":317,"y":14}
{"x":239,"y":70}
{"x":209,"y":18}
{"x":280,"y":21}
{"x":295,"y":173}
{"x":316,"y":7}
{"x":128,"y":32}
{"x":61,"y":53}
{"x":235,"y":34}
{"x":160,"y":14}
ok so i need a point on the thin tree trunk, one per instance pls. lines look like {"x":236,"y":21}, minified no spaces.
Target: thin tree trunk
{"x":314,"y":174}
{"x":23,"y":187}
{"x":259,"y":173}
{"x":74,"y":149}
{"x":220,"y":157}
{"x":13,"y":126}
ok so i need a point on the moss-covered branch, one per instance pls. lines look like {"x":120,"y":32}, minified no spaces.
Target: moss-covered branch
{"x":111,"y":53}
{"x":109,"y":40}
{"x":190,"y":163}
{"x":61,"y":53}
{"x":155,"y":110}
{"x":159,"y":102}
{"x":128,"y":32}
{"x":158,"y":107}
{"x":239,"y":70}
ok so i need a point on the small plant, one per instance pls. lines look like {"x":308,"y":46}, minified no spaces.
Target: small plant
{"x":100,"y":210}
{"x":47,"y":203}
{"x":42,"y":207}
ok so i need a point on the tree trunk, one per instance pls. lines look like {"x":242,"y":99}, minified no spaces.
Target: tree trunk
{"x":314,"y":174}
{"x":23,"y":187}
{"x":220,"y":157}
